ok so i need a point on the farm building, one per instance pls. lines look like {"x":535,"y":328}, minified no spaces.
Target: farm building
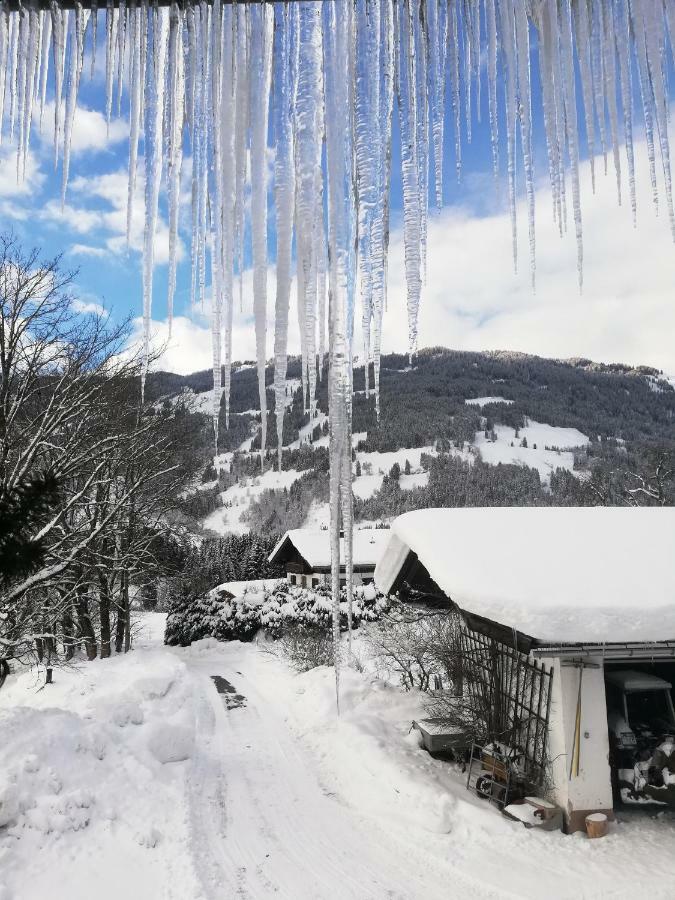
{"x":305,"y":555}
{"x":567,"y":634}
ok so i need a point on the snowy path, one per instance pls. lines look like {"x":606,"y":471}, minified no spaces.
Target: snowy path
{"x":264,"y":826}
{"x":283,"y":806}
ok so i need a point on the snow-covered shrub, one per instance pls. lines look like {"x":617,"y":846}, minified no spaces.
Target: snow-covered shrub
{"x":307,"y":646}
{"x":277,"y":611}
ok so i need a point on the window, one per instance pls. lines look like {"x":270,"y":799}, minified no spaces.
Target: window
{"x":315,"y":582}
{"x":291,"y":578}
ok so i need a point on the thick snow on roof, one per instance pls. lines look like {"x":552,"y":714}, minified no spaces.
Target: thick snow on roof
{"x":591,"y":574}
{"x":314,"y":546}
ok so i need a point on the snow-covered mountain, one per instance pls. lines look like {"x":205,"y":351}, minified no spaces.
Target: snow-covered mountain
{"x":455,"y":429}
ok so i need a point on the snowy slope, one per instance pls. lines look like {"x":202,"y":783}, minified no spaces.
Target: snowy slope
{"x":539,"y":453}
{"x":236,"y":499}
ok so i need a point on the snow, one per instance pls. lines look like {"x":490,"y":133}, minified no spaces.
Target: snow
{"x":237,"y":498}
{"x":483,"y":401}
{"x":551,"y":573}
{"x":548,"y":447}
{"x":277,"y":797}
{"x":92,"y":764}
{"x":381,"y":462}
{"x":256,"y":586}
{"x":364,"y":486}
{"x":306,"y":431}
{"x":314,"y":546}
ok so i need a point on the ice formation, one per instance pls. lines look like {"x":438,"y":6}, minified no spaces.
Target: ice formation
{"x":210,"y":76}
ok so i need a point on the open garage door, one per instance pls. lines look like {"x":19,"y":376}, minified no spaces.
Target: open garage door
{"x":641,"y":724}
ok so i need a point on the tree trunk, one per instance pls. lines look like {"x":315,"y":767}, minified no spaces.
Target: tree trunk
{"x":104,"y":614}
{"x":127,"y":617}
{"x":122,"y":616}
{"x":4,"y":671}
{"x":50,"y":653}
{"x":84,"y":621}
{"x":67,"y":627}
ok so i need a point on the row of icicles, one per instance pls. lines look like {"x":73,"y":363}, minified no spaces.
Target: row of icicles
{"x":320,"y":84}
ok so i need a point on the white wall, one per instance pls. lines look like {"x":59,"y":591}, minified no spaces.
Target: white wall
{"x":591,"y":790}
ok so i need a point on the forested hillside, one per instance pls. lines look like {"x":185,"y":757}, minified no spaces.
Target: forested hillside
{"x":455,"y":429}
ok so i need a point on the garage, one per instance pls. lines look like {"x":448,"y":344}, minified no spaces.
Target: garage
{"x":641,"y":728}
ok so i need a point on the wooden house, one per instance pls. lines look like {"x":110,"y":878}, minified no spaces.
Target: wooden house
{"x":567,"y":627}
{"x":305,"y":555}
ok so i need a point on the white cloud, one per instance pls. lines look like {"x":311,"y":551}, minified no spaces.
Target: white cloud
{"x":189,"y":349}
{"x":90,"y":132}
{"x":473,"y":301}
{"x":112,"y":189}
{"x":85,"y":307}
{"x":10,"y":186}
{"x":88,"y":250}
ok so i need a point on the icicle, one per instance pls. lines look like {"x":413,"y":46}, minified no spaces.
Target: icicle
{"x":510,"y":63}
{"x":453,"y":54}
{"x":175,"y":146}
{"x":44,"y":66}
{"x":412,"y":223}
{"x":491,"y":26}
{"x":19,"y":79}
{"x":381,"y":226}
{"x":597,"y":67}
{"x":154,"y":105}
{"x":284,"y":195}
{"x":4,"y":51}
{"x":32,"y":62}
{"x":419,"y":80}
{"x":567,"y":61}
{"x":338,"y":38}
{"x":261,"y":50}
{"x":134,"y":110}
{"x":637,"y":24}
{"x":214,"y":109}
{"x":659,"y":96}
{"x":622,"y":40}
{"x":609,"y":67}
{"x":228,"y":92}
{"x":525,"y":115}
{"x":241,"y":130}
{"x":308,"y":137}
{"x":12,"y":70}
{"x":121,"y":50}
{"x":367,"y":112}
{"x":438,"y":31}
{"x":583,"y":41}
{"x":94,"y":37}
{"x":110,"y":52}
{"x":76,"y":63}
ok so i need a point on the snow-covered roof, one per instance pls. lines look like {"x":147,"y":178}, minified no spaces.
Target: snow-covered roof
{"x":314,"y":546}
{"x":631,"y":680}
{"x":563,"y":575}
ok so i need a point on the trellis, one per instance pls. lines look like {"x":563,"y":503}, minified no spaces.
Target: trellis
{"x":510,"y":698}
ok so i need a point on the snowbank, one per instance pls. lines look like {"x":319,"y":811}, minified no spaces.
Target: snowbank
{"x":92,"y":784}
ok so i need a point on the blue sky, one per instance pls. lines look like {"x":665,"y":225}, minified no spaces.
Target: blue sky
{"x":472,"y":299}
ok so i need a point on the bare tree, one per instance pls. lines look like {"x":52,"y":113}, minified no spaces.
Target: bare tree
{"x":69,"y":406}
